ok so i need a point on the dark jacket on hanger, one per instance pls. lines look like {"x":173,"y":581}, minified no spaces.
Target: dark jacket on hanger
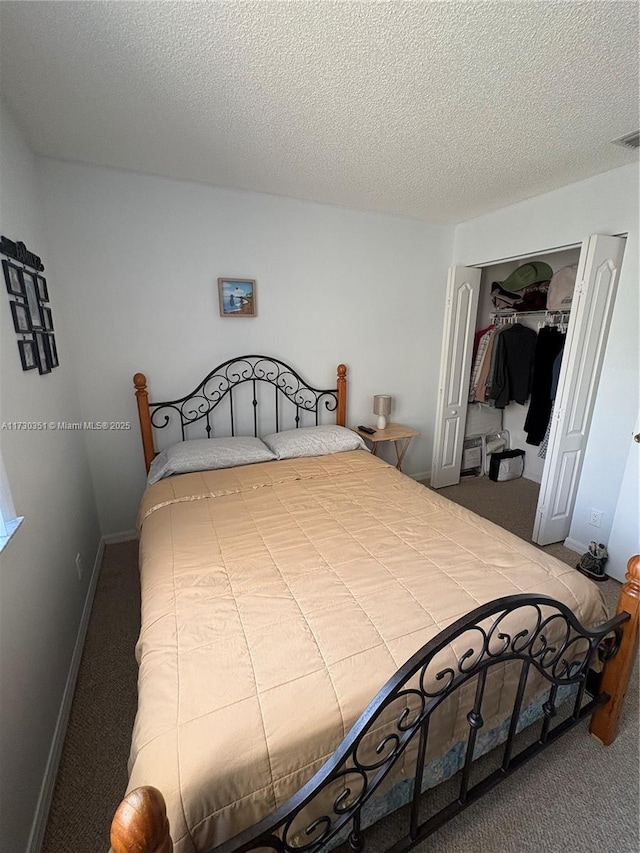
{"x":549,"y":346}
{"x":514,"y":365}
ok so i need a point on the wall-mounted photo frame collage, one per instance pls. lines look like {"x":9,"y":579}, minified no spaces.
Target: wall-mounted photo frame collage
{"x":32,"y":317}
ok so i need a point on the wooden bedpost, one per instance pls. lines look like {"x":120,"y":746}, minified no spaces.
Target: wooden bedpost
{"x":617,"y":671}
{"x":142,"y":397}
{"x":341,"y":412}
{"x":140,"y":823}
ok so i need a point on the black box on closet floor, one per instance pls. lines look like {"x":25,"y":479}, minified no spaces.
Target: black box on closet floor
{"x":508,"y":465}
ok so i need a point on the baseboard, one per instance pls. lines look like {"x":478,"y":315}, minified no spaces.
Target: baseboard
{"x":424,"y":475}
{"x":574,"y":545}
{"x":123,"y":536}
{"x":46,"y":791}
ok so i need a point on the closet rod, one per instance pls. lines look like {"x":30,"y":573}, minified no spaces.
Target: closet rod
{"x":496,"y":314}
{"x":558,"y":319}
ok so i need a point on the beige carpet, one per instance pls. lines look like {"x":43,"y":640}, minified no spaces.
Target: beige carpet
{"x":93,"y":769}
{"x":579,"y":797}
{"x":512,"y":505}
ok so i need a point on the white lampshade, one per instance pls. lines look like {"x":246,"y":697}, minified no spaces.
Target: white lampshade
{"x":382,"y":408}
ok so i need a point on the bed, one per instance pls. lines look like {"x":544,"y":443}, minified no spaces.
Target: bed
{"x":280,"y":596}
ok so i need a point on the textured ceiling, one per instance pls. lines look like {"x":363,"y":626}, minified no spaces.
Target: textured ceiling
{"x":437,"y":110}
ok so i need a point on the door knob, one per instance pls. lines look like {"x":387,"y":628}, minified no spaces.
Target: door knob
{"x":636,"y":437}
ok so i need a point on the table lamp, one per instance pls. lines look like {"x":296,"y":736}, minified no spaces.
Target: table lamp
{"x":382,"y":408}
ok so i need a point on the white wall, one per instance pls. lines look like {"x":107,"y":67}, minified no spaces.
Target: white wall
{"x":625,"y":530}
{"x":41,"y":597}
{"x":140,"y":257}
{"x":605,"y":204}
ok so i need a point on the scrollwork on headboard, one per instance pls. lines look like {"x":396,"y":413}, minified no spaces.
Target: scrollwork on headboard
{"x":219,"y":385}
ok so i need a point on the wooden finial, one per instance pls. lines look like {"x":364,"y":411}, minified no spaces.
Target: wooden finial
{"x":341,"y":411}
{"x":617,"y":671}
{"x":144,"y":415}
{"x":632,"y":584}
{"x":140,"y":823}
{"x":140,"y":382}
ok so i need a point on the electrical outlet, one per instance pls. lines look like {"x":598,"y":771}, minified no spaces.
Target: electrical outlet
{"x":595,"y":518}
{"x":79,"y":566}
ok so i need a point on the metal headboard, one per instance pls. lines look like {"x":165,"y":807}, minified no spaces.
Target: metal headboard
{"x":219,"y":385}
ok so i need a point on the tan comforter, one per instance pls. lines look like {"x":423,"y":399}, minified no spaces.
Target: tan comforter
{"x":276,"y":600}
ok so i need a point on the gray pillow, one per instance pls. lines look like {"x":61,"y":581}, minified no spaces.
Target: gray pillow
{"x":313,"y":441}
{"x":208,"y":454}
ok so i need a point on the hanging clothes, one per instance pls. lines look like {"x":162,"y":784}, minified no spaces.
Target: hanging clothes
{"x":479,"y":335}
{"x":555,"y":370}
{"x":549,"y":345}
{"x":481,"y":343}
{"x":514,"y":351}
{"x":544,"y":446}
{"x":492,"y":365}
{"x":480,"y":395}
{"x":555,"y":375}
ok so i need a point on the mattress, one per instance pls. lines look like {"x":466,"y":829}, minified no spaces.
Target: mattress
{"x":277,"y":598}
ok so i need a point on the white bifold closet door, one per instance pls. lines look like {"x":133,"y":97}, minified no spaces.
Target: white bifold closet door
{"x":596,"y":281}
{"x":591,"y":310}
{"x":463,"y":289}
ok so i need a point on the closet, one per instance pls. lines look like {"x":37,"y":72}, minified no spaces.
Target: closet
{"x":469,"y":308}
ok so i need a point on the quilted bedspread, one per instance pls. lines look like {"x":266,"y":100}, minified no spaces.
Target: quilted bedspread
{"x":277,"y":598}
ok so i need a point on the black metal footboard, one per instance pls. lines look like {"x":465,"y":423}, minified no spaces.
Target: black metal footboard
{"x":555,"y":645}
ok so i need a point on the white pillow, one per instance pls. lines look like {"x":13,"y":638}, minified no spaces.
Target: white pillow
{"x":208,"y":454}
{"x":313,"y":441}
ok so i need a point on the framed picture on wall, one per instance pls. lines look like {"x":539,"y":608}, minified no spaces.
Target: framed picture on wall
{"x":47,"y":318}
{"x":43,"y":293}
{"x":28,"y":354}
{"x":52,"y":351}
{"x":237,"y":297}
{"x":42,"y":352}
{"x":33,"y":304}
{"x":21,"y":320}
{"x":13,"y":278}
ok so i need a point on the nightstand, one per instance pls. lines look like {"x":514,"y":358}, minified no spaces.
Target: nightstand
{"x":397,"y":433}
